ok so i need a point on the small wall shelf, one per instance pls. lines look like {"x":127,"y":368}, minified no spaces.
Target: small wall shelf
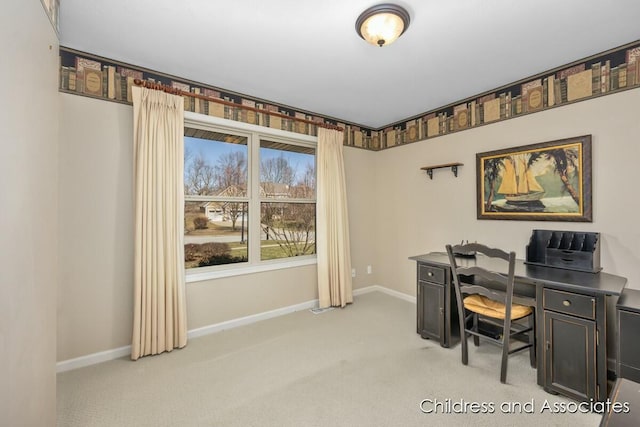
{"x":453,"y":166}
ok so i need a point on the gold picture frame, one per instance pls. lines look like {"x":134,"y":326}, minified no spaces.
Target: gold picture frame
{"x":549,"y":181}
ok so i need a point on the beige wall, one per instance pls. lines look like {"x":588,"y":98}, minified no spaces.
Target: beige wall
{"x":395,"y":211}
{"x":215,"y":301}
{"x":361,"y":195}
{"x":28,"y":215}
{"x":95,"y":297}
{"x":418,"y":215}
{"x":95,"y":294}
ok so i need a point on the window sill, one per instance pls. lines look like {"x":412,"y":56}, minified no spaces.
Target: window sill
{"x":239,"y":271}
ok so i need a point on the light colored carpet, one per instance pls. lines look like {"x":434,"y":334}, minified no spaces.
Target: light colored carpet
{"x":363,"y":365}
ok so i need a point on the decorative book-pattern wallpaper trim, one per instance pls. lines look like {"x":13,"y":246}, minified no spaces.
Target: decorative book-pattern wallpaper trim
{"x":609,"y":72}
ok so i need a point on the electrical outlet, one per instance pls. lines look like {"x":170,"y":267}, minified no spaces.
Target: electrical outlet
{"x":353,"y":272}
{"x":369,"y":269}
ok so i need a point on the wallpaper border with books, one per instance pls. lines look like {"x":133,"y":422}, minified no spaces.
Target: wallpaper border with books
{"x":609,"y":72}
{"x":98,"y":77}
{"x":605,"y":73}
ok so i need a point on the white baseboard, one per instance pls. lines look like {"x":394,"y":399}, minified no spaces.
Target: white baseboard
{"x":116,"y":353}
{"x":92,"y":359}
{"x":377,"y":288}
{"x":234,"y":323}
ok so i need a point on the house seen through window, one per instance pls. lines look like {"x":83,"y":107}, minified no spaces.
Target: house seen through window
{"x":249,"y":198}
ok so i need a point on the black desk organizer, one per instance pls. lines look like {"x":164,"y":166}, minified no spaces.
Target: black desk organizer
{"x":571,"y":250}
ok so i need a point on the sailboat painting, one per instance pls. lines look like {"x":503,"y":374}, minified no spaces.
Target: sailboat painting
{"x":549,"y":181}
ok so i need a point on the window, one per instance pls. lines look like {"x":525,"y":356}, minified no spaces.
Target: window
{"x":216,"y":203}
{"x":249,"y":197}
{"x":287,"y":200}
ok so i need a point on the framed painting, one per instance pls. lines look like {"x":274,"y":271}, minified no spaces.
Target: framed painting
{"x":549,"y":181}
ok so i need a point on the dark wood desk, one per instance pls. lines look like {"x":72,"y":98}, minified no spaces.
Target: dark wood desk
{"x":625,"y":403}
{"x":628,"y":322}
{"x":571,"y":313}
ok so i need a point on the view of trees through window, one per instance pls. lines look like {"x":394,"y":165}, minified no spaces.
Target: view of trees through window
{"x":287,"y":172}
{"x":219,"y":199}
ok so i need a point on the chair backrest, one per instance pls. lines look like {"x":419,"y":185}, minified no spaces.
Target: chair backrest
{"x":484,"y":274}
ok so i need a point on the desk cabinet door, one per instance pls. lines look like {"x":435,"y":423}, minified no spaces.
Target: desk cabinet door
{"x":570,"y":355}
{"x":431,"y":311}
{"x":629,"y":345}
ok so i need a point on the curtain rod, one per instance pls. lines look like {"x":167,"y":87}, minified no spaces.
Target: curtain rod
{"x":176,"y":91}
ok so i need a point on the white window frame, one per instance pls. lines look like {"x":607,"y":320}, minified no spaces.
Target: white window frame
{"x":254,"y":133}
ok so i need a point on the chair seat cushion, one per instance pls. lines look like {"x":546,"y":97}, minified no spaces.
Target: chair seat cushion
{"x":488,"y":307}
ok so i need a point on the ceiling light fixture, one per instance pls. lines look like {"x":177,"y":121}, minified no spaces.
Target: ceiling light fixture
{"x":381,"y":25}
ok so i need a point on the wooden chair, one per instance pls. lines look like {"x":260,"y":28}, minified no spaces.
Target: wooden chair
{"x":485,"y":297}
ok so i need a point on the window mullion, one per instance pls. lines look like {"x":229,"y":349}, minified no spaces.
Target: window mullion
{"x":254,"y":199}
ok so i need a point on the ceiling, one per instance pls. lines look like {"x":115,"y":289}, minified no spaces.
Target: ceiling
{"x":307,"y":55}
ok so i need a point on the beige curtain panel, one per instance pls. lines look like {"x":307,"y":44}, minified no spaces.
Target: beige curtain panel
{"x":159,"y":321}
{"x":332,"y":223}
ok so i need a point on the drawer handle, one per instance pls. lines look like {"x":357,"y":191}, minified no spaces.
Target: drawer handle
{"x":566,"y":303}
{"x":430,"y":274}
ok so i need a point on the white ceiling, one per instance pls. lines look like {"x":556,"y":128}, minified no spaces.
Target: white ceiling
{"x":306,"y":54}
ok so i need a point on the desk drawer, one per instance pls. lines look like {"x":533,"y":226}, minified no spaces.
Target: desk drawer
{"x":432,"y":274}
{"x":569,"y":303}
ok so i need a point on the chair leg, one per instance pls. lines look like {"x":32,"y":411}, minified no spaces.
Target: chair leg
{"x":506,"y":346}
{"x":476,"y":339}
{"x":465,"y":352}
{"x":505,"y":357}
{"x":463,"y":337}
{"x":532,"y":339}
